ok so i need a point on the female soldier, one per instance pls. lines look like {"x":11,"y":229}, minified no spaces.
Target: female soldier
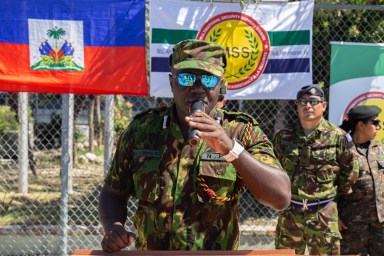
{"x":362,"y":212}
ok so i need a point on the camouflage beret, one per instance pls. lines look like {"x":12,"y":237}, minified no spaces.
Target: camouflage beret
{"x":198,"y":54}
{"x":362,"y":112}
{"x":312,"y":89}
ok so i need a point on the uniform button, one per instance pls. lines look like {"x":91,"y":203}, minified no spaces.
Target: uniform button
{"x":220,"y":172}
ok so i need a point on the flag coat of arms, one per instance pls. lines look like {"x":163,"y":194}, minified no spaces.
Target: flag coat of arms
{"x":268,"y":45}
{"x":68,"y":46}
{"x":357,"y":78}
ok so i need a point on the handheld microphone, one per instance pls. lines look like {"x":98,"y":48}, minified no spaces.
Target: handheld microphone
{"x":194,"y":140}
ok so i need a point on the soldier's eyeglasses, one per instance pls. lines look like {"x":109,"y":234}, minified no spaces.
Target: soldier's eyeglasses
{"x":188,"y":79}
{"x":375,"y":122}
{"x":304,"y":102}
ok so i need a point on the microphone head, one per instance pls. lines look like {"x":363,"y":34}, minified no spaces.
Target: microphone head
{"x":197,"y":106}
{"x":194,"y":141}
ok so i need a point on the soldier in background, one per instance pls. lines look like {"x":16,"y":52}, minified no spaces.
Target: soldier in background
{"x":362,"y":213}
{"x":188,"y":195}
{"x":321,"y":162}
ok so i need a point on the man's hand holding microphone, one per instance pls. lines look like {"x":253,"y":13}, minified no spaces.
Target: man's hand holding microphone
{"x":204,"y":126}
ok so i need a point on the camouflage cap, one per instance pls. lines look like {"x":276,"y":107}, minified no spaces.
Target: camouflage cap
{"x":312,"y":89}
{"x":198,"y":54}
{"x":362,"y":112}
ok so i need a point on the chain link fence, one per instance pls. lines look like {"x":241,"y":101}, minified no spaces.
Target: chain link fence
{"x":31,"y":222}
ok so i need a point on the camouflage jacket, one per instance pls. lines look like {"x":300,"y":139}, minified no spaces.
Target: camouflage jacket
{"x":321,"y":165}
{"x":369,"y":187}
{"x":176,"y":211}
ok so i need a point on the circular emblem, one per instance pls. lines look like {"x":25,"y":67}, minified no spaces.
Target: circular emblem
{"x":312,"y":91}
{"x":247,"y":45}
{"x":370,"y":98}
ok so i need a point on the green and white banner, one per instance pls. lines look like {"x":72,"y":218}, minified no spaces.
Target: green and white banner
{"x":357,"y":78}
{"x":269,"y":45}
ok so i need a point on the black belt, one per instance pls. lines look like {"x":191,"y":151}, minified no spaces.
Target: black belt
{"x":311,"y":204}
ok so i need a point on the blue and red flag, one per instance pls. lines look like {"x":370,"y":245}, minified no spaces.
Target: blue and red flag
{"x":73,"y":46}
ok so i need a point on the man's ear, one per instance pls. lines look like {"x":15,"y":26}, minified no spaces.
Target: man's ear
{"x":223,"y":87}
{"x":170,"y":77}
{"x":325,"y":104}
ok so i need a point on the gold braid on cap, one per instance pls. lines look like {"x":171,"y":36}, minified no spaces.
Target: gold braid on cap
{"x":239,"y":185}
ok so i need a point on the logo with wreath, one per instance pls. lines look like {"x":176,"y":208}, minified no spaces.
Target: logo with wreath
{"x":247,"y":45}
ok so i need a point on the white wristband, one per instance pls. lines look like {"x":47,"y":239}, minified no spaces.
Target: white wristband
{"x":234,"y":152}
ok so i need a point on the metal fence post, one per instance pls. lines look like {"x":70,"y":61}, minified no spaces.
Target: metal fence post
{"x":23,"y":141}
{"x":108,"y":135}
{"x":34,"y":230}
{"x":66,"y":165}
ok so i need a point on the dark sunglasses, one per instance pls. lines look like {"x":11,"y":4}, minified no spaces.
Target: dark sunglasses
{"x":375,"y":122}
{"x":313,"y":102}
{"x":188,"y":79}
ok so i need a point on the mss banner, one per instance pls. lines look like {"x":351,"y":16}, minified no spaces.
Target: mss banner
{"x":73,"y":46}
{"x":269,"y":45}
{"x":357,"y":78}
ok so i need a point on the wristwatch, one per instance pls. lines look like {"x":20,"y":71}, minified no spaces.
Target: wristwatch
{"x":234,"y":152}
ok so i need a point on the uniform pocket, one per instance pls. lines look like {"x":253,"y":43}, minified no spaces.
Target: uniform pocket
{"x":325,"y":154}
{"x":327,"y":220}
{"x":146,"y":178}
{"x":216,"y":182}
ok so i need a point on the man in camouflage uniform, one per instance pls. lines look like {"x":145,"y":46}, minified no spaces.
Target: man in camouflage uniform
{"x":321,"y":162}
{"x":362,"y":212}
{"x":188,"y":195}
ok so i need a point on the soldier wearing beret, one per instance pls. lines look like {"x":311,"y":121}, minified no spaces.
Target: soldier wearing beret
{"x":362,"y":212}
{"x":188,"y":194}
{"x":321,"y":162}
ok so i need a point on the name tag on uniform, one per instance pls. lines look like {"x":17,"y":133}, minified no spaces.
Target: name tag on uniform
{"x":206,"y":156}
{"x":146,"y":152}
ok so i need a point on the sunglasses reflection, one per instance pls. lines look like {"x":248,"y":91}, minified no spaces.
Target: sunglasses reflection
{"x":188,"y":79}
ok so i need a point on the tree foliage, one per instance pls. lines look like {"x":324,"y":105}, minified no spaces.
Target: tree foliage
{"x":241,"y":2}
{"x":347,"y":21}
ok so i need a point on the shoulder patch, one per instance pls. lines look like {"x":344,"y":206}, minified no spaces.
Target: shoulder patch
{"x":348,"y":137}
{"x":264,"y":136}
{"x":350,"y":142}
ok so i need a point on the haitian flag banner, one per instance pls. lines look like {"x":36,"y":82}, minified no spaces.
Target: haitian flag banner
{"x":269,"y":45}
{"x":73,"y":46}
{"x":357,"y":78}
